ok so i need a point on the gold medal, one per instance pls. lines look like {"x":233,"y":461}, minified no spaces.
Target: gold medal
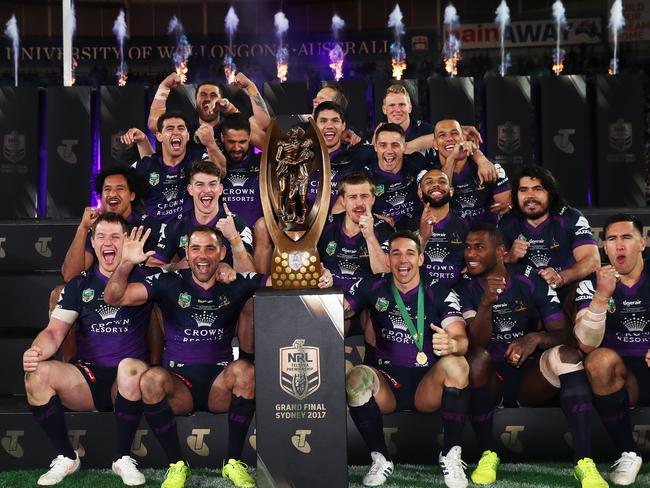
{"x":421,"y":358}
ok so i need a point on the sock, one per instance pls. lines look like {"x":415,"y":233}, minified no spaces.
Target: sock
{"x":240,"y":415}
{"x":453,"y":411}
{"x":575,"y":399}
{"x":51,"y":419}
{"x":162,"y":421}
{"x":481,"y":409}
{"x":368,"y":420}
{"x":615,"y":414}
{"x":369,"y":358}
{"x":127,"y":419}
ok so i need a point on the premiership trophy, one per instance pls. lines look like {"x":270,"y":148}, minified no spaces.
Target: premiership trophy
{"x":288,"y":162}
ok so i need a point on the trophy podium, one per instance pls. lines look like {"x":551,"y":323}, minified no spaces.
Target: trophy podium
{"x":300,"y":375}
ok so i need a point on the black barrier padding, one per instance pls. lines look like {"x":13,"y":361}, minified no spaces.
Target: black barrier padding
{"x":69,"y":151}
{"x":238,"y":98}
{"x":621,"y":170}
{"x":19,"y":159}
{"x":287,"y":98}
{"x":566,"y":138}
{"x":357,"y":112}
{"x":11,"y":364}
{"x":33,"y":245}
{"x":121,"y":107}
{"x":509,"y":115}
{"x":300,"y":390}
{"x":452,"y":98}
{"x":182,"y":99}
{"x":24,"y":298}
{"x":379,"y":90}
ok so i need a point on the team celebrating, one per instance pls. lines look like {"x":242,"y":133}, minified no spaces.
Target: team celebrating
{"x":472,"y":289}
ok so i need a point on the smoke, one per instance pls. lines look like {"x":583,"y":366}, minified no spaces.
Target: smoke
{"x":232,"y":21}
{"x":120,"y":31}
{"x":337,"y":25}
{"x":281,"y":23}
{"x":616,"y":19}
{"x":11,"y":31}
{"x":73,"y":19}
{"x":451,"y":16}
{"x":559,"y":13}
{"x":502,"y":18}
{"x":395,"y":21}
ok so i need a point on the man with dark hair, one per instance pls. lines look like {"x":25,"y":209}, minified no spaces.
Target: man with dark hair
{"x":419,"y":367}
{"x":442,"y":232}
{"x":612,"y":327}
{"x":461,"y":159}
{"x":394,"y":177}
{"x":511,"y":359}
{"x":111,"y":354}
{"x":199,"y":373}
{"x":205,"y":188}
{"x":331,"y":91}
{"x":545,"y":233}
{"x":116,"y":187}
{"x":210,"y":106}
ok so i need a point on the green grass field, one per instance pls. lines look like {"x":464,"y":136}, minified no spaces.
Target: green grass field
{"x":510,"y":476}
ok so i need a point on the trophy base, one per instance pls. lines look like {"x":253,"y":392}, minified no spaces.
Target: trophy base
{"x":295,"y":269}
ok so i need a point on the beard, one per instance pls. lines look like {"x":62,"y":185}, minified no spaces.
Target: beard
{"x":534,"y":215}
{"x":444,"y":200}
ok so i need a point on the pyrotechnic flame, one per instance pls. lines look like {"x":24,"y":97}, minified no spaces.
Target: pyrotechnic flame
{"x":558,"y":65}
{"x":336,"y":61}
{"x":451,"y":48}
{"x":73,"y":78}
{"x":229,"y":68}
{"x":183,"y":48}
{"x":398,"y":60}
{"x":120,"y":31}
{"x":281,"y":65}
{"x":616,"y":23}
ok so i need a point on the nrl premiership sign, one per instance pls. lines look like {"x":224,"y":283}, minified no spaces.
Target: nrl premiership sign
{"x":528,"y":33}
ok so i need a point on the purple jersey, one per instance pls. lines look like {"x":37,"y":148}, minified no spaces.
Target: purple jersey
{"x":347,"y":257}
{"x":444,"y":251}
{"x":105,"y":334}
{"x":471,"y":199}
{"x":526,"y":299}
{"x":628,"y":314}
{"x":241,"y":187}
{"x":166,"y":194}
{"x":394,"y":342}
{"x":199,"y":324}
{"x":427,"y":158}
{"x":396,"y":193}
{"x":553,"y":241}
{"x":174,"y":238}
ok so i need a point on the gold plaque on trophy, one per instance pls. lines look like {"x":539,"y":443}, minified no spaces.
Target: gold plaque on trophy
{"x":289,"y":163}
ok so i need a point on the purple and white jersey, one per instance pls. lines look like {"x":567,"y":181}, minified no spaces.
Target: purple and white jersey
{"x":347,"y":257}
{"x":471,"y":200}
{"x":166,"y":194}
{"x":174,"y":238}
{"x":396,"y":193}
{"x":553,"y":241}
{"x":105,"y":334}
{"x":394,"y":342}
{"x":627,"y":329}
{"x":526,"y":299}
{"x":444,"y":251}
{"x":199,"y":324}
{"x":343,"y":161}
{"x":241,"y":187}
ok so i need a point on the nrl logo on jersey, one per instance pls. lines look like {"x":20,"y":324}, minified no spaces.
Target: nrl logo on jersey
{"x":87,"y":295}
{"x":154,"y":179}
{"x":299,"y":369}
{"x":379,"y":190}
{"x":331,"y":248}
{"x":381,"y":305}
{"x":183,"y":241}
{"x":184,"y":299}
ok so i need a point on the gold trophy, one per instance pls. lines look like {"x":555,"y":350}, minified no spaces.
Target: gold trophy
{"x":288,"y":161}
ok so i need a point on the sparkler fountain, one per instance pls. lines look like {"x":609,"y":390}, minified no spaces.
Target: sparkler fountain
{"x":121,"y":33}
{"x":183,"y":48}
{"x":616,"y":24}
{"x":559,"y":14}
{"x":229,"y":67}
{"x":282,"y":53}
{"x":11,"y":31}
{"x":451,"y":48}
{"x":398,"y":54}
{"x":337,"y":55}
{"x":502,"y":19}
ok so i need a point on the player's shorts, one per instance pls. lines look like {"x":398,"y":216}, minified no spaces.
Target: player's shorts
{"x":198,"y":378}
{"x":641,"y":371}
{"x":100,"y":380}
{"x":511,"y":378}
{"x":403,"y":382}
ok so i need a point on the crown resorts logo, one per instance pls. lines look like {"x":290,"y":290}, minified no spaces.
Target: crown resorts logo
{"x":397,"y":199}
{"x":204,"y":319}
{"x":348,"y":267}
{"x":635,"y":323}
{"x":107,"y":311}
{"x":237,"y":180}
{"x":540,"y":259}
{"x":436,"y":253}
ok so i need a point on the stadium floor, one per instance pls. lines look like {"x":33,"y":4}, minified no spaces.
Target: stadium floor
{"x":541,"y":475}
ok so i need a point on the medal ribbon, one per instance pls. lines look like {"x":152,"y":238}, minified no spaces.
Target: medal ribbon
{"x":417,"y":335}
